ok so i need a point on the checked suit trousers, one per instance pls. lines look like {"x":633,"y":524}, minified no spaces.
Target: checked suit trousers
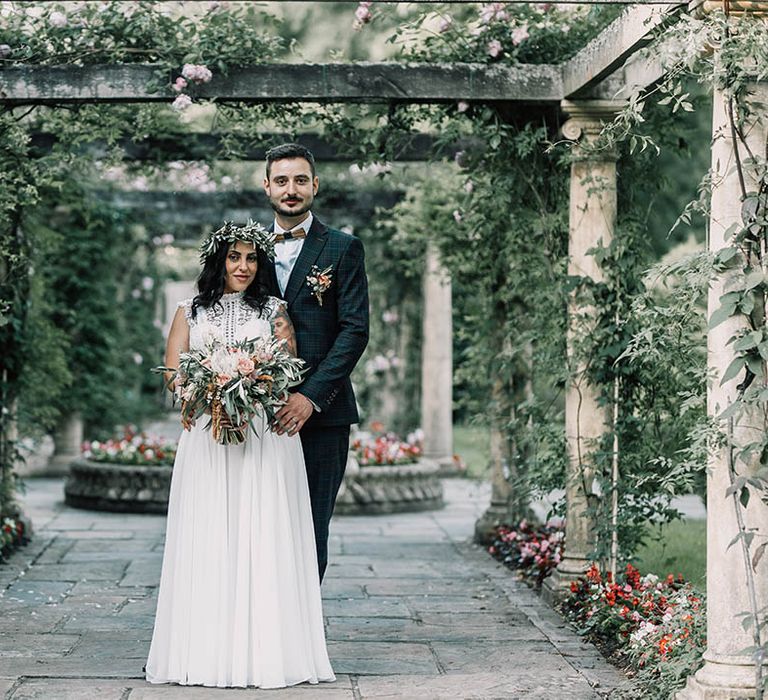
{"x":325,"y":453}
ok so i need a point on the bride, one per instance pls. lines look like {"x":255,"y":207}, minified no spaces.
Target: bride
{"x":239,"y":601}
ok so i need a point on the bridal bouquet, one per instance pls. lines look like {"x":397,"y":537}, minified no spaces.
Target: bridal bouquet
{"x":234,"y":384}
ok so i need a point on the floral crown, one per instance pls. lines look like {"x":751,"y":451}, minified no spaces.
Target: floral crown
{"x":229,"y":233}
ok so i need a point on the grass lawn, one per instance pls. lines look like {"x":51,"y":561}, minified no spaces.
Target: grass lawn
{"x":471,"y":443}
{"x":682,"y":549}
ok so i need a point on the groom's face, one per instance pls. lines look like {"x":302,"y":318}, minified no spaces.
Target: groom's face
{"x":290,"y":186}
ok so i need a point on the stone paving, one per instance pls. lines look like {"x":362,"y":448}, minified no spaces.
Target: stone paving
{"x":413,"y":610}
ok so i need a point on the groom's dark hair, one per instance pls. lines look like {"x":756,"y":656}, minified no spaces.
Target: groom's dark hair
{"x":290,"y":150}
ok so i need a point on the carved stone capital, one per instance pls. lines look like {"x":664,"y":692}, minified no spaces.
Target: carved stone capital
{"x":587,"y":117}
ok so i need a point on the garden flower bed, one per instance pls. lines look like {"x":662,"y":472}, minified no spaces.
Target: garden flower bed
{"x":133,"y":448}
{"x":532,"y":551}
{"x":387,"y":450}
{"x":652,"y":627}
{"x":13,"y":534}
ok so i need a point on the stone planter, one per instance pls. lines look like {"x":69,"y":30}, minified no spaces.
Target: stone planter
{"x":129,"y":488}
{"x":121,"y":488}
{"x":378,"y":490}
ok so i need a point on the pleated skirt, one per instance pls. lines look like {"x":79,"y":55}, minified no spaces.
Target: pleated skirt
{"x":239,"y":602}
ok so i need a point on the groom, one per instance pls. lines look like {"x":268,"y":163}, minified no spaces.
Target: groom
{"x":320,"y":273}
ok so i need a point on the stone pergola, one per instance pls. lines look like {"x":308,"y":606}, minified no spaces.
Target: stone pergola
{"x":589,"y":88}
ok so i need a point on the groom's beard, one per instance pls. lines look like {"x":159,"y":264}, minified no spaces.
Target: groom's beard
{"x":290,"y":213}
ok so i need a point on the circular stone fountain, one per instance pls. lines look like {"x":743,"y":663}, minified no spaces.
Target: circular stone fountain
{"x":121,"y":488}
{"x":370,"y":490}
{"x":377,"y":490}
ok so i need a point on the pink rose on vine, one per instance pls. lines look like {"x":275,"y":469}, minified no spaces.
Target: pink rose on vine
{"x":495,"y":48}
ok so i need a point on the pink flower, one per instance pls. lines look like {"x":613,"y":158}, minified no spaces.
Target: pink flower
{"x":263,"y":357}
{"x":446,"y":22}
{"x":196,"y":73}
{"x":493,"y":11}
{"x":494,"y":48}
{"x":245,"y":365}
{"x":222,"y":379}
{"x":181,"y":103}
{"x":179,"y":84}
{"x":457,"y":216}
{"x":469,"y":186}
{"x":57,"y":19}
{"x":462,"y":106}
{"x":520,"y":34}
{"x":363,"y":15}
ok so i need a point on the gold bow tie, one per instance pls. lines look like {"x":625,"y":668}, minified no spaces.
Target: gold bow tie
{"x":291,"y":235}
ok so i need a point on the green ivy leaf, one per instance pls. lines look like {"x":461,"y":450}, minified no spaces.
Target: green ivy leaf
{"x":747,"y":304}
{"x":748,"y":341}
{"x":732,"y":411}
{"x":722,"y":314}
{"x":754,"y":279}
{"x":733,"y":370}
{"x":725,"y":254}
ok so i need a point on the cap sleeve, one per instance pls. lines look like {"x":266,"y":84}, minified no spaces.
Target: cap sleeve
{"x":186,"y":304}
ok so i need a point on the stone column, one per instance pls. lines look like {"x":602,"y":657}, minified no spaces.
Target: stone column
{"x":498,"y":513}
{"x":437,"y":362}
{"x":68,"y":439}
{"x":728,"y":672}
{"x":592,"y":218}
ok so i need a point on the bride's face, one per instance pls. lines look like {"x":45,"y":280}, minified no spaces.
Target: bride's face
{"x":241,"y":266}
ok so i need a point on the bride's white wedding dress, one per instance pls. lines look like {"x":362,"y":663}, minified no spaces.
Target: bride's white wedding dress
{"x":239,"y":601}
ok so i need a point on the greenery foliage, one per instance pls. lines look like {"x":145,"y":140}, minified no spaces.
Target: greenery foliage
{"x":498,"y":217}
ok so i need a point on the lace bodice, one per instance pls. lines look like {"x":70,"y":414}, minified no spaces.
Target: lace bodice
{"x":229,"y":320}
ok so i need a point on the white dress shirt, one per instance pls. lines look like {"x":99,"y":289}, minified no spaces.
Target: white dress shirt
{"x":287,"y":252}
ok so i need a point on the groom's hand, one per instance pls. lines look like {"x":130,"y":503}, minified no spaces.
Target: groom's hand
{"x":291,"y":417}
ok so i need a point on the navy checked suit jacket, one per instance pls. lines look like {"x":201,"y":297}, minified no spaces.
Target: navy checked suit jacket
{"x":330,"y":338}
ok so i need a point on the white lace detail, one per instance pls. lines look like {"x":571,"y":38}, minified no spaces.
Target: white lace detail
{"x":187,"y":306}
{"x":272,"y":306}
{"x":230,"y":320}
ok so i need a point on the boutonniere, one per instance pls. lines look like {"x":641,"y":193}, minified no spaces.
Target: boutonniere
{"x":319,"y":281}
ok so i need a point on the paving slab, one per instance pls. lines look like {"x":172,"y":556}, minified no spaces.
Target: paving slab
{"x":63,"y":689}
{"x":367,"y":607}
{"x":483,"y":686}
{"x":374,"y":658}
{"x":321,"y":691}
{"x":412,"y":608}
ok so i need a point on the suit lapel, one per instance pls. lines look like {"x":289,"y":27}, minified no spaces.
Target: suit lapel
{"x":310,"y":251}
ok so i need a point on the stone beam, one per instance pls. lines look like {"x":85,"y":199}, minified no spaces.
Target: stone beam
{"x":641,"y":72}
{"x":317,"y":83}
{"x":605,"y":54}
{"x":191,"y":147}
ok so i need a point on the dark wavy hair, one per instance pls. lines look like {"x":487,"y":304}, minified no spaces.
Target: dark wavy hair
{"x":210,"y":283}
{"x":289,"y":150}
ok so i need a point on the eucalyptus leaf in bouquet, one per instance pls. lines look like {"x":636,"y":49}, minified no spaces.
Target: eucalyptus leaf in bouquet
{"x":233,"y":384}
